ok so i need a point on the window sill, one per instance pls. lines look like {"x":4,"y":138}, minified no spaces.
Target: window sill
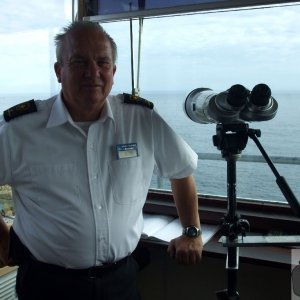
{"x":6,"y":270}
{"x":264,"y":218}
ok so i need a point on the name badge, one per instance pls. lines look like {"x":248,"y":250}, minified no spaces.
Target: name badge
{"x":127,"y":150}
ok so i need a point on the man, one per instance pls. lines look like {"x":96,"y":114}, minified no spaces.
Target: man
{"x":80,"y":165}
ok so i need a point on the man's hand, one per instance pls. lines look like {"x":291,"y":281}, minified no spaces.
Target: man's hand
{"x":4,"y":244}
{"x":186,"y":250}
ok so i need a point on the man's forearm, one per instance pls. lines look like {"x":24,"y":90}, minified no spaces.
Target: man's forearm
{"x":185,"y":249}
{"x":186,"y":200}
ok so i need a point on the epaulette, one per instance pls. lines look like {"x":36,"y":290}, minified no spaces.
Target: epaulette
{"x":131,"y":99}
{"x":19,"y":110}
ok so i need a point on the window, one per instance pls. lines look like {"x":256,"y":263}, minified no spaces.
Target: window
{"x":216,"y":50}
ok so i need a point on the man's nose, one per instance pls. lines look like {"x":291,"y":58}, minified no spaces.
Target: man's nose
{"x":92,"y":69}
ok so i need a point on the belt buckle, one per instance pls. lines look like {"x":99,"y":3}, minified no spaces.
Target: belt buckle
{"x":91,"y":274}
{"x":106,"y":267}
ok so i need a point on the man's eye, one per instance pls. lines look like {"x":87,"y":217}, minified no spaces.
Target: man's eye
{"x":77,"y":62}
{"x":103,"y":63}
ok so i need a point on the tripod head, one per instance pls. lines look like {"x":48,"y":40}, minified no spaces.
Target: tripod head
{"x":231,"y":139}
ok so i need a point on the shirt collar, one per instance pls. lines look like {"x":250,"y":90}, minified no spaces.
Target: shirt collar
{"x":106,"y":112}
{"x":60,"y":115}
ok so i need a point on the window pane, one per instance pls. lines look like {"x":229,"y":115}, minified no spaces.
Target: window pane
{"x":27,"y":29}
{"x":216,"y":51}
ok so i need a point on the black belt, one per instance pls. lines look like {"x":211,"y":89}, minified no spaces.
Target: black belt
{"x":93,"y":272}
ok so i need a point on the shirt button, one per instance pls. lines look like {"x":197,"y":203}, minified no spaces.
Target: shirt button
{"x":99,"y":207}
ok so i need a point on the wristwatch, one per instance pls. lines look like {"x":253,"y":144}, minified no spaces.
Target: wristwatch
{"x":191,"y":231}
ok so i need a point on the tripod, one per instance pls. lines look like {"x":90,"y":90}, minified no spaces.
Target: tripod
{"x":231,"y":139}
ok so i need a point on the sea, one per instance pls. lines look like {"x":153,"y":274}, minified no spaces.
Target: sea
{"x":280,"y":137}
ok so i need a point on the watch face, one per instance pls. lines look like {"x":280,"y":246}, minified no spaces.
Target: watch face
{"x":192,"y":231}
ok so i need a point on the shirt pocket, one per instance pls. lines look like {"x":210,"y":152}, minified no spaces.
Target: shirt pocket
{"x":54,"y":186}
{"x":126,"y":176}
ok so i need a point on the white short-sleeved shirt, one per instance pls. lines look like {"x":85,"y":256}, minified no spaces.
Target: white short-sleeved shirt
{"x":78,"y":204}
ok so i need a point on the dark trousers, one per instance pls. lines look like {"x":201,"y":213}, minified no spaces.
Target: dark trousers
{"x":38,"y":281}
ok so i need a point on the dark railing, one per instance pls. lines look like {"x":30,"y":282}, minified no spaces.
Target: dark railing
{"x":243,"y":158}
{"x":253,"y":158}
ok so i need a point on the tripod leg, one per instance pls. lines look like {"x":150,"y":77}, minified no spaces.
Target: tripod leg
{"x":223,"y":295}
{"x":232,"y":269}
{"x":232,"y":266}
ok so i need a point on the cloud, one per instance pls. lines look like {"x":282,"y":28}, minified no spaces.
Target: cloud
{"x":27,"y":54}
{"x":22,"y":15}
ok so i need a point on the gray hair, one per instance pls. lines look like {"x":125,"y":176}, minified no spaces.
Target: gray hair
{"x":61,"y":37}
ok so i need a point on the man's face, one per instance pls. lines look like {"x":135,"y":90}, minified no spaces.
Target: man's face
{"x":86,"y":72}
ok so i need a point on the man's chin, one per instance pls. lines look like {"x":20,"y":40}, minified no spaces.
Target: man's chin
{"x":94,"y":97}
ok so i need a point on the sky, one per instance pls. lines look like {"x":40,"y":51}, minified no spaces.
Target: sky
{"x":221,"y":49}
{"x":214,"y":50}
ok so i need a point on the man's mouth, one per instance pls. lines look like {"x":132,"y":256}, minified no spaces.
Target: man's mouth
{"x":90,"y":85}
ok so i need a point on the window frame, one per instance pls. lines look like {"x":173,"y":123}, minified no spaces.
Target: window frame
{"x":91,"y":10}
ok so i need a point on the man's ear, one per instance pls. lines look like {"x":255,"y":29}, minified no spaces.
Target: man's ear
{"x":114,"y":72}
{"x":57,"y":69}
